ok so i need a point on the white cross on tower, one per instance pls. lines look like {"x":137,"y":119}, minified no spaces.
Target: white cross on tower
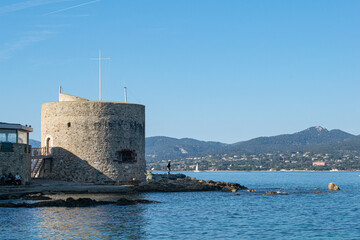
{"x":100,"y":59}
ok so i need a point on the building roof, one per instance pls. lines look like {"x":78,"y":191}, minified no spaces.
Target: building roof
{"x":16,"y":126}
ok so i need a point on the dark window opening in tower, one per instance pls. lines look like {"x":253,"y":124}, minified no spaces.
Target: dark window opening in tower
{"x":69,"y":124}
{"x":126,"y":156}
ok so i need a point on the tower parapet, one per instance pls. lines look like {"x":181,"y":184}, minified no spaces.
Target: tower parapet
{"x":70,"y":98}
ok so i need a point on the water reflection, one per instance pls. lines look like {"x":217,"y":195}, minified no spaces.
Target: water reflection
{"x":302,"y":213}
{"x":101,"y":222}
{"x":91,"y":223}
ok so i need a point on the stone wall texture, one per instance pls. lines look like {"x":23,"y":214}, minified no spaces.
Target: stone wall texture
{"x":17,"y":161}
{"x":87,"y":136}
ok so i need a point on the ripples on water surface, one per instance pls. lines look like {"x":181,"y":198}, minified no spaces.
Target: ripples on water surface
{"x":302,"y":214}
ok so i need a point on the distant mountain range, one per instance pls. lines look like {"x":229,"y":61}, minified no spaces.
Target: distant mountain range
{"x":35,"y":143}
{"x":313,"y":139}
{"x":157,"y":148}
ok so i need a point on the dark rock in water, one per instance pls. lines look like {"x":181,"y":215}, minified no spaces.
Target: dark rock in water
{"x":8,"y":205}
{"x":220,"y":184}
{"x":124,"y":201}
{"x":9,"y":196}
{"x":53,"y":203}
{"x":210,"y":182}
{"x":83,"y":202}
{"x":145,"y":201}
{"x":271,"y":193}
{"x":228,"y":189}
{"x":36,"y":196}
{"x":70,"y":202}
{"x":275,"y":193}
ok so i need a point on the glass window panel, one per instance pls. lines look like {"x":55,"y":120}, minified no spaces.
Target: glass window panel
{"x":8,"y":135}
{"x":2,"y":137}
{"x":11,"y":137}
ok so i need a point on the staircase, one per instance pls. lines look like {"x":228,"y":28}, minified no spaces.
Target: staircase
{"x":38,"y":157}
{"x":36,"y":166}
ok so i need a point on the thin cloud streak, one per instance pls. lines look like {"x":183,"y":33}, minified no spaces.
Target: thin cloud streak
{"x":51,"y":26}
{"x":72,"y":7}
{"x":27,"y":4}
{"x":29,"y":39}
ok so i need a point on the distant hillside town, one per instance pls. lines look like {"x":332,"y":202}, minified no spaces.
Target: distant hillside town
{"x":315,"y":148}
{"x":265,"y":162}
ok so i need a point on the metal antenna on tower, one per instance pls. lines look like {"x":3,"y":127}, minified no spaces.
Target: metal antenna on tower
{"x":100,"y":59}
{"x":125,"y":94}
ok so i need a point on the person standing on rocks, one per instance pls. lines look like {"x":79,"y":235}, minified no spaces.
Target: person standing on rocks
{"x":148,"y":176}
{"x":169,"y":166}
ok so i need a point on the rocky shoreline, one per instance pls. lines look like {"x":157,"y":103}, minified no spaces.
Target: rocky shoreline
{"x":183,"y":183}
{"x":42,"y":190}
{"x":46,"y":193}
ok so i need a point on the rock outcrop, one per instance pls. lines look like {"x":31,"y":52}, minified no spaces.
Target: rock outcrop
{"x":271,"y":193}
{"x":333,"y":187}
{"x":124,"y":201}
{"x":276,"y":193}
{"x":181,"y":183}
{"x":70,"y":202}
{"x":36,"y":196}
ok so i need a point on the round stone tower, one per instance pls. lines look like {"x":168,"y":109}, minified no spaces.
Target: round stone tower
{"x":93,"y":141}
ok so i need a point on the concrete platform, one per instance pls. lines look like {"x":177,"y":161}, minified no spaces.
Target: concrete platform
{"x":53,"y":186}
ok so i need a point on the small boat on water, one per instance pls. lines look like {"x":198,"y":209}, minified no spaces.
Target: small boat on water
{"x":197,"y":168}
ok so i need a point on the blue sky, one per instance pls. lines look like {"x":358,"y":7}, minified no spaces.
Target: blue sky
{"x":212,"y":70}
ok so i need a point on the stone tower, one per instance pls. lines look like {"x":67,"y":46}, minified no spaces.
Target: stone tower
{"x":93,"y":141}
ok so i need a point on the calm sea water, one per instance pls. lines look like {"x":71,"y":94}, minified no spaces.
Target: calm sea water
{"x":309,"y":212}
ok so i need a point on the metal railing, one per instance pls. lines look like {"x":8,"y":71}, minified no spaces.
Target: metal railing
{"x":41,"y":152}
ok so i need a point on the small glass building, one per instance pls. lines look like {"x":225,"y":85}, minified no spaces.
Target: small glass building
{"x":14,"y":133}
{"x":15,"y":151}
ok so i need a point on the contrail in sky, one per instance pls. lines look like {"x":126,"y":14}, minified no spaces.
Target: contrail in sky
{"x":27,"y":39}
{"x":76,"y":6}
{"x":27,"y":4}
